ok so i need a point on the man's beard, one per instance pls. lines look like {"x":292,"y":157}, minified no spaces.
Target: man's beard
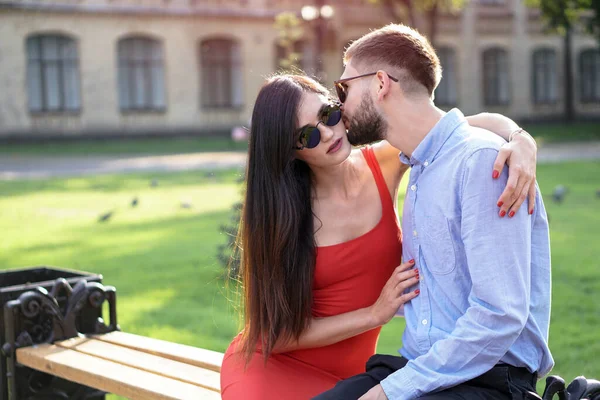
{"x":367,"y":125}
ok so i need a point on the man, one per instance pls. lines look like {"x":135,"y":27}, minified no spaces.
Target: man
{"x":479,"y":328}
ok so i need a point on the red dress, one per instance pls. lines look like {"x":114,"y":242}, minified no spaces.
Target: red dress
{"x":348,"y":276}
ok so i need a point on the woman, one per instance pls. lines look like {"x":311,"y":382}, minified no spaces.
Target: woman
{"x":320,"y":248}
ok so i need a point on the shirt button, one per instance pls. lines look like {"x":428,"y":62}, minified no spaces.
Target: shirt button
{"x":426,"y":163}
{"x":424,"y":322}
{"x":415,"y":233}
{"x":413,"y":187}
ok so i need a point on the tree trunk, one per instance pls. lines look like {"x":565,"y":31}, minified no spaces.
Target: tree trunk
{"x":410,"y":11}
{"x":569,"y":106}
{"x":320,"y":37}
{"x":432,"y":15}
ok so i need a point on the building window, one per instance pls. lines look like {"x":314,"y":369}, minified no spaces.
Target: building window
{"x":446,"y":92}
{"x":495,"y":77}
{"x":53,"y":74}
{"x":590,"y":76}
{"x":544,"y":76}
{"x":141,"y":74}
{"x":303,"y":56}
{"x":221,"y":74}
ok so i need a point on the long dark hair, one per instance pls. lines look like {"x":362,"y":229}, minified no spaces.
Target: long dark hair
{"x":276,"y":236}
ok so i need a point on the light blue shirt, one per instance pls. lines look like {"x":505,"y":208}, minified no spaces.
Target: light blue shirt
{"x":485,"y":280}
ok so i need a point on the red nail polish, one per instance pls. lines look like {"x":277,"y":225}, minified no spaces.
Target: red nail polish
{"x":502,"y":214}
{"x":495,"y":174}
{"x":531,"y":212}
{"x":417,"y":271}
{"x":500,"y":204}
{"x":411,"y":261}
{"x":511,"y":214}
{"x":417,"y":291}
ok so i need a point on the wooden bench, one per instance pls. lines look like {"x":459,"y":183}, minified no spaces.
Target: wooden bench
{"x":42,"y":333}
{"x":131,"y":366}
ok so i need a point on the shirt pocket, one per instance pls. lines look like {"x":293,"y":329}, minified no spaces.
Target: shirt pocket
{"x":438,"y":246}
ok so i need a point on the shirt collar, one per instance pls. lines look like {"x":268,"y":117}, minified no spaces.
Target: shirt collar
{"x":431,"y":144}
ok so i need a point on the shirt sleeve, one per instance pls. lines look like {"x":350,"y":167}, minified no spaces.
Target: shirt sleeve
{"x":498,"y":254}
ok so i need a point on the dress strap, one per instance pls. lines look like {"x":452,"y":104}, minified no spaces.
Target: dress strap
{"x":384,"y":192}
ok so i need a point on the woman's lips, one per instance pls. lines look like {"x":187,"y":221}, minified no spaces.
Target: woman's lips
{"x":335,"y":146}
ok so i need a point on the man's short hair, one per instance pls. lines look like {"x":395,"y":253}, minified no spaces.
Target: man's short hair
{"x":404,"y":50}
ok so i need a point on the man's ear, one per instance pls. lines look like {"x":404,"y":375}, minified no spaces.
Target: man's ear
{"x":384,"y":84}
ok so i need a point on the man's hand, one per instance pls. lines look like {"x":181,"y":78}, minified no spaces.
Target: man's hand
{"x":376,"y":393}
{"x":520,"y":154}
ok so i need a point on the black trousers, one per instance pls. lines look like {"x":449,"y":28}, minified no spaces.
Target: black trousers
{"x":501,"y":382}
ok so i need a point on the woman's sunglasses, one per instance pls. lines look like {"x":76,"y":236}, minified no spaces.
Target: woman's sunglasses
{"x":309,"y":136}
{"x":342,"y":89}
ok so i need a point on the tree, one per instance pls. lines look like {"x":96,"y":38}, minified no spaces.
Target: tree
{"x":290,"y":31}
{"x":561,"y":16}
{"x":594,"y":22}
{"x":405,"y":11}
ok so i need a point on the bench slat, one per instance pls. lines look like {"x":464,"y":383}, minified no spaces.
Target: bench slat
{"x":109,"y":376}
{"x":144,"y":361}
{"x":202,"y":358}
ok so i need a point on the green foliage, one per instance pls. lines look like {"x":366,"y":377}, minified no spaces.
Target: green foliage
{"x":404,"y":11}
{"x":401,"y":8}
{"x":442,"y":5}
{"x":561,"y":14}
{"x":594,"y":22}
{"x":290,"y":31}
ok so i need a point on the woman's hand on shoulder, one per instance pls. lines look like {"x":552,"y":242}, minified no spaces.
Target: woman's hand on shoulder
{"x":520,"y":154}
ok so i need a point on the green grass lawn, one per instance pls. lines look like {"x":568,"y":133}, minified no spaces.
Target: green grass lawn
{"x":162,"y":257}
{"x":544,"y":133}
{"x":561,"y":132}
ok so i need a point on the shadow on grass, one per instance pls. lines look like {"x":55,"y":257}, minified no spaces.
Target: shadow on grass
{"x":129,"y":146}
{"x":120,"y":182}
{"x":564,"y":132}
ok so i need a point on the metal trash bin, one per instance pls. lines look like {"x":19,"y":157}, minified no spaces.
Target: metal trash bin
{"x":32,"y":384}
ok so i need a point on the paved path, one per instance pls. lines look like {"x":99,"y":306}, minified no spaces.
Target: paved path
{"x":30,"y":167}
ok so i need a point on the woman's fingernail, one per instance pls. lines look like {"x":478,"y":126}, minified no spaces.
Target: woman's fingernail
{"x":417,"y":291}
{"x":511,"y":214}
{"x":411,"y":261}
{"x":500,"y":204}
{"x":502,"y":213}
{"x":417,"y":271}
{"x":495,"y":174}
{"x":531,"y":212}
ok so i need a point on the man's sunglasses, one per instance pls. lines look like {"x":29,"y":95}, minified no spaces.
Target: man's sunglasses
{"x":309,"y":135}
{"x":342,"y":89}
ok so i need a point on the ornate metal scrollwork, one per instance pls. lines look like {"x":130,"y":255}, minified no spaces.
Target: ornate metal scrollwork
{"x":38,"y":316}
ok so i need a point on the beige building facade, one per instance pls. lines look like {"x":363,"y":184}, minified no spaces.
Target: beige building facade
{"x":127,"y":67}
